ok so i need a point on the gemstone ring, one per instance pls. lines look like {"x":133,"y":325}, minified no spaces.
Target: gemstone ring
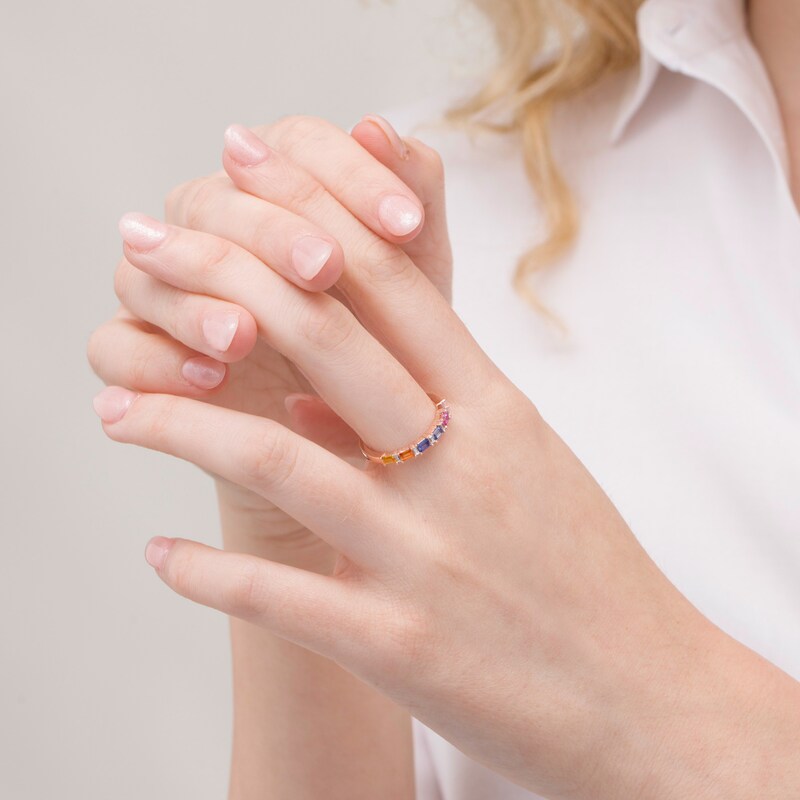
{"x":419,"y":446}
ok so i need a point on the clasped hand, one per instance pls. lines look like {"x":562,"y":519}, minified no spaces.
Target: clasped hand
{"x":488,"y":585}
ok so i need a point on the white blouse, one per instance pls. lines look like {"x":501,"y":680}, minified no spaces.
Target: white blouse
{"x":679,"y":384}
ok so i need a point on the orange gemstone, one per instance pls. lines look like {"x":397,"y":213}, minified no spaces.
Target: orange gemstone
{"x":387,"y":459}
{"x":406,"y":454}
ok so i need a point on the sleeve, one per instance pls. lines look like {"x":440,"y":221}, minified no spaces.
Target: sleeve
{"x":425,"y":780}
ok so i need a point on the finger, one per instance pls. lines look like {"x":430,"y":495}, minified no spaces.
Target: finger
{"x":316,"y":611}
{"x":293,"y":246}
{"x":357,"y":376}
{"x":337,"y":501}
{"x":392,"y":299}
{"x":130,"y":353}
{"x":224,"y":331}
{"x":313,"y":418}
{"x":420,"y":167}
{"x":373,"y":193}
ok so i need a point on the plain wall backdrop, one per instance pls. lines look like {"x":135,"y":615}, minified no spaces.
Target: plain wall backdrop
{"x":111,"y":686}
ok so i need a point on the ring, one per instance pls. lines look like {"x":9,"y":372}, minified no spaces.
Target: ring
{"x":438,"y":427}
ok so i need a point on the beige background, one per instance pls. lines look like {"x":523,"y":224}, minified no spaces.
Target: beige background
{"x":110,"y":685}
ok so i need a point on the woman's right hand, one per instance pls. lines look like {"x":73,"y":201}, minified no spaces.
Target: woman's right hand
{"x":167,"y":340}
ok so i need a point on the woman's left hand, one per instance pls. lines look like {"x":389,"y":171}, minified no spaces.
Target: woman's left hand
{"x":488,"y":584}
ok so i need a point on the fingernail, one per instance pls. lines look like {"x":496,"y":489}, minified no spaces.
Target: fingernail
{"x":309,"y":255}
{"x":112,"y":403}
{"x":398,"y":145}
{"x":203,"y":372}
{"x":219,"y":328}
{"x":156,"y":551}
{"x":142,"y":232}
{"x":292,"y":400}
{"x":244,"y":147}
{"x":399,"y":215}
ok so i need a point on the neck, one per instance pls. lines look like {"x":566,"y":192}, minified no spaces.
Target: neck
{"x":775,"y":29}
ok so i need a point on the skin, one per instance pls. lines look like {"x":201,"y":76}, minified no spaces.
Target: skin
{"x":775,"y":29}
{"x":276,"y":713}
{"x":604,"y":682}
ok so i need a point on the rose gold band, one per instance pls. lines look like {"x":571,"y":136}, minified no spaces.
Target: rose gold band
{"x":420,"y":445}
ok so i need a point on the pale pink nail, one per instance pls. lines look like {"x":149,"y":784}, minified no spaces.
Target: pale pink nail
{"x":112,"y":403}
{"x":142,"y":232}
{"x":309,"y":255}
{"x":203,"y":372}
{"x":244,"y":147}
{"x":398,"y":145}
{"x":219,"y":328}
{"x":156,"y":551}
{"x":399,"y":215}
{"x":292,"y":400}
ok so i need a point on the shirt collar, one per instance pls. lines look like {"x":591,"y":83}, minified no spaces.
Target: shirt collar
{"x":708,"y":41}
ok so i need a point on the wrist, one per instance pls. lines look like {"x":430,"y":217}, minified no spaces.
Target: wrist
{"x":707,"y":718}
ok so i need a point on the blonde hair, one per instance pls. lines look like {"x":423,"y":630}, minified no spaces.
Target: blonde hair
{"x":593,"y":39}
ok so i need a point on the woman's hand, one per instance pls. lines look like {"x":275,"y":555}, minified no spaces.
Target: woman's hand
{"x":487,"y":584}
{"x":168,"y":340}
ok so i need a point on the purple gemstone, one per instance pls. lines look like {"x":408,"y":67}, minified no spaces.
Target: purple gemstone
{"x":437,"y":432}
{"x":423,"y":445}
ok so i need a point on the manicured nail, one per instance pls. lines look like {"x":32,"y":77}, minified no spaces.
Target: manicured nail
{"x":112,"y":403}
{"x":309,"y":255}
{"x":142,"y":232}
{"x":203,"y":372}
{"x":244,"y":147}
{"x":156,"y":551}
{"x":296,"y":398}
{"x":398,"y":145}
{"x":219,"y":328}
{"x":399,"y":215}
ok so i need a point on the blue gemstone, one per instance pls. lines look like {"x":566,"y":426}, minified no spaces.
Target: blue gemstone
{"x":437,"y":432}
{"x":423,"y":445}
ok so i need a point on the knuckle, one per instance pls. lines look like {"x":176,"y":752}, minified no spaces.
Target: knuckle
{"x":307,"y":194}
{"x":182,"y":319}
{"x":181,"y":570}
{"x":513,"y":404}
{"x":244,"y":595}
{"x":160,"y":421}
{"x":326,"y":324}
{"x":384,"y":263}
{"x":268,"y":460}
{"x":296,"y":129}
{"x":196,"y":205}
{"x":400,"y":644}
{"x":195,"y":202}
{"x":123,"y":277}
{"x":94,"y":348}
{"x":176,"y":198}
{"x":211,"y":257}
{"x":370,"y":181}
{"x":139,"y":366}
